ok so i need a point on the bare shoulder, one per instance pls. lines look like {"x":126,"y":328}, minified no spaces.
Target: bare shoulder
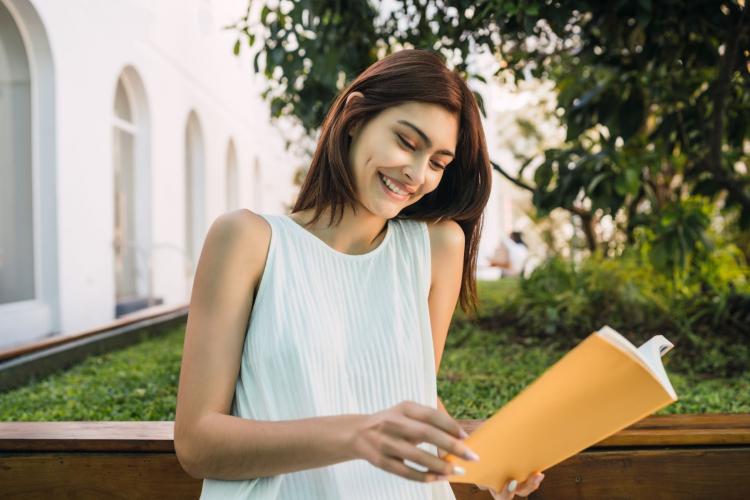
{"x":447,"y":242}
{"x":241,"y":223}
{"x":446,"y":236}
{"x":243,"y":235}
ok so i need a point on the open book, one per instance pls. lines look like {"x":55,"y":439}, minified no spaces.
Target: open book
{"x":597,"y":389}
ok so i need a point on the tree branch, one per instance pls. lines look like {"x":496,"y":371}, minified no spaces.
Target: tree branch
{"x":587,"y":223}
{"x":721,"y":90}
{"x":587,"y":218}
{"x":517,"y":182}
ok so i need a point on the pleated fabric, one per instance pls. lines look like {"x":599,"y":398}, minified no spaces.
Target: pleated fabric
{"x":332,"y":333}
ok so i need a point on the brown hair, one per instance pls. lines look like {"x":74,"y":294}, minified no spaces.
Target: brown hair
{"x":463,"y":191}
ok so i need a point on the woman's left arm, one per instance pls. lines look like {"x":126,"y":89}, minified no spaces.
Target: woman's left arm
{"x":447,"y":252}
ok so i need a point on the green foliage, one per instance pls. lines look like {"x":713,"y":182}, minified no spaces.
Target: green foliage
{"x":706,"y":313}
{"x":679,"y":234}
{"x":492,"y":368}
{"x":136,"y":383}
{"x":560,"y":301}
{"x":653,"y":95}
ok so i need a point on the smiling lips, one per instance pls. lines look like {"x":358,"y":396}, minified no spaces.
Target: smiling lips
{"x":395,"y":187}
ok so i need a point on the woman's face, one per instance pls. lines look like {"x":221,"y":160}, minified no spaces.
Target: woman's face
{"x":400,"y":155}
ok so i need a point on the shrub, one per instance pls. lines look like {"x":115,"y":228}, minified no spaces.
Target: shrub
{"x":706,"y":313}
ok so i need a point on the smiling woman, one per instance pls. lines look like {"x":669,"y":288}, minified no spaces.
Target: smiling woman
{"x":398,"y":157}
{"x":314,"y":339}
{"x":409,"y":102}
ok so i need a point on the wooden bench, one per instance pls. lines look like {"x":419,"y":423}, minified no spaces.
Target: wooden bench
{"x":662,"y":457}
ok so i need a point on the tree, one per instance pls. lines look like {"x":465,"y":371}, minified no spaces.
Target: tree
{"x":653,"y":95}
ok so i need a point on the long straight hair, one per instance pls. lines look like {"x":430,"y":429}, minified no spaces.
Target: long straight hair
{"x":463,"y":191}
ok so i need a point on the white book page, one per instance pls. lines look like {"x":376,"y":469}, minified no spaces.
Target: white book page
{"x":649,"y":354}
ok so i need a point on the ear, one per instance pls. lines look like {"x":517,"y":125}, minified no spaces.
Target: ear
{"x":354,"y":95}
{"x":354,"y":129}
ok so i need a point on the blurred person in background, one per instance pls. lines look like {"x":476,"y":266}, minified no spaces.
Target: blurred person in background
{"x":511,"y":255}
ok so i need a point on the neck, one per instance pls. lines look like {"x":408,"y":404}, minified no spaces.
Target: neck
{"x":356,"y":233}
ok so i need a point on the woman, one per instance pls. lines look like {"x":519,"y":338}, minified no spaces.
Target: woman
{"x":313,"y":340}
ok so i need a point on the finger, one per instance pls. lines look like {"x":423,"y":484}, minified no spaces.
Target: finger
{"x":530,"y":485}
{"x":434,"y":417}
{"x":503,"y":494}
{"x":405,"y":450}
{"x":398,"y":467}
{"x":416,"y":431}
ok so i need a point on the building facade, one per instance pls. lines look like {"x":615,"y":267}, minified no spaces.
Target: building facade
{"x":126,"y":128}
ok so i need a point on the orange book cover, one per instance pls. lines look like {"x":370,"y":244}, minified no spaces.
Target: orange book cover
{"x":597,"y":389}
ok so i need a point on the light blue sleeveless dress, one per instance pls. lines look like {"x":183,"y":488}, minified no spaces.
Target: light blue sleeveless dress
{"x":332,"y":333}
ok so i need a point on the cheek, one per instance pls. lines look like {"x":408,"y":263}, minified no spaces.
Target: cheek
{"x":433,"y":183}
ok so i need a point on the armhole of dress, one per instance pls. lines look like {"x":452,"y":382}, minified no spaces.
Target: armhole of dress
{"x":427,"y":258}
{"x":267,"y":267}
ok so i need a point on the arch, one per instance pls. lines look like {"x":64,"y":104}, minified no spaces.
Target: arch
{"x":16,"y":207}
{"x":232,"y":178}
{"x":131,"y":165}
{"x":194,"y":188}
{"x":30,"y":308}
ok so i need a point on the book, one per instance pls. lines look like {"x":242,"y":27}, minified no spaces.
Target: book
{"x":598,"y":388}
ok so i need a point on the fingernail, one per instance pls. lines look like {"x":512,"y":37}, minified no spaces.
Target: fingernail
{"x":458,"y":470}
{"x":462,"y":433}
{"x":512,"y":486}
{"x":470,"y":455}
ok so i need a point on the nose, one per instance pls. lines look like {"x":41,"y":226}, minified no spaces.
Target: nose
{"x":416,"y":171}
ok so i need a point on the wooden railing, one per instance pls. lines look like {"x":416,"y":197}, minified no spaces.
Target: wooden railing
{"x":662,"y":457}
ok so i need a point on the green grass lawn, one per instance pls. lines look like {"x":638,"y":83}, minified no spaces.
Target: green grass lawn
{"x":477,"y":377}
{"x":482,"y":375}
{"x":135,"y":383}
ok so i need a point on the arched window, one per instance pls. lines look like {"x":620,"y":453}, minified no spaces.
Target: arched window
{"x":29,"y":289}
{"x":233,"y":188}
{"x":194,"y":190}
{"x":123,"y":145}
{"x":132,"y":187}
{"x":17,"y":276}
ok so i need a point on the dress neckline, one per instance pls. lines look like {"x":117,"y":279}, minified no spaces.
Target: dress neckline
{"x":367,"y":255}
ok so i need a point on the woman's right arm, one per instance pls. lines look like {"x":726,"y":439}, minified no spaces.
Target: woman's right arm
{"x":211,"y":443}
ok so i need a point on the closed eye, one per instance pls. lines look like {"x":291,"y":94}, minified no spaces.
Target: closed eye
{"x":408,"y":145}
{"x":405,"y":143}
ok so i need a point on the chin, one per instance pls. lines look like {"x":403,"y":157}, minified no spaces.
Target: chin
{"x":387,"y":211}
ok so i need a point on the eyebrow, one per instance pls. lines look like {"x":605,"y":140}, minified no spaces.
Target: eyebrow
{"x":425,"y":138}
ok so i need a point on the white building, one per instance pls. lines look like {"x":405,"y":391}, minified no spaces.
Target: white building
{"x":125,"y":129}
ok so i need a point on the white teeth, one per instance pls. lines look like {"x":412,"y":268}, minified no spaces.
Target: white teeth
{"x":392,"y":186}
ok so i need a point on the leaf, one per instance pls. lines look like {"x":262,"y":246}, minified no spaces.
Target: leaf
{"x":264,"y":14}
{"x":236,"y":49}
{"x":543,"y":175}
{"x":595,"y":182}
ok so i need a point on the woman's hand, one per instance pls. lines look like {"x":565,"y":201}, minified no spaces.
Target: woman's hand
{"x":522,"y":490}
{"x":387,"y":438}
